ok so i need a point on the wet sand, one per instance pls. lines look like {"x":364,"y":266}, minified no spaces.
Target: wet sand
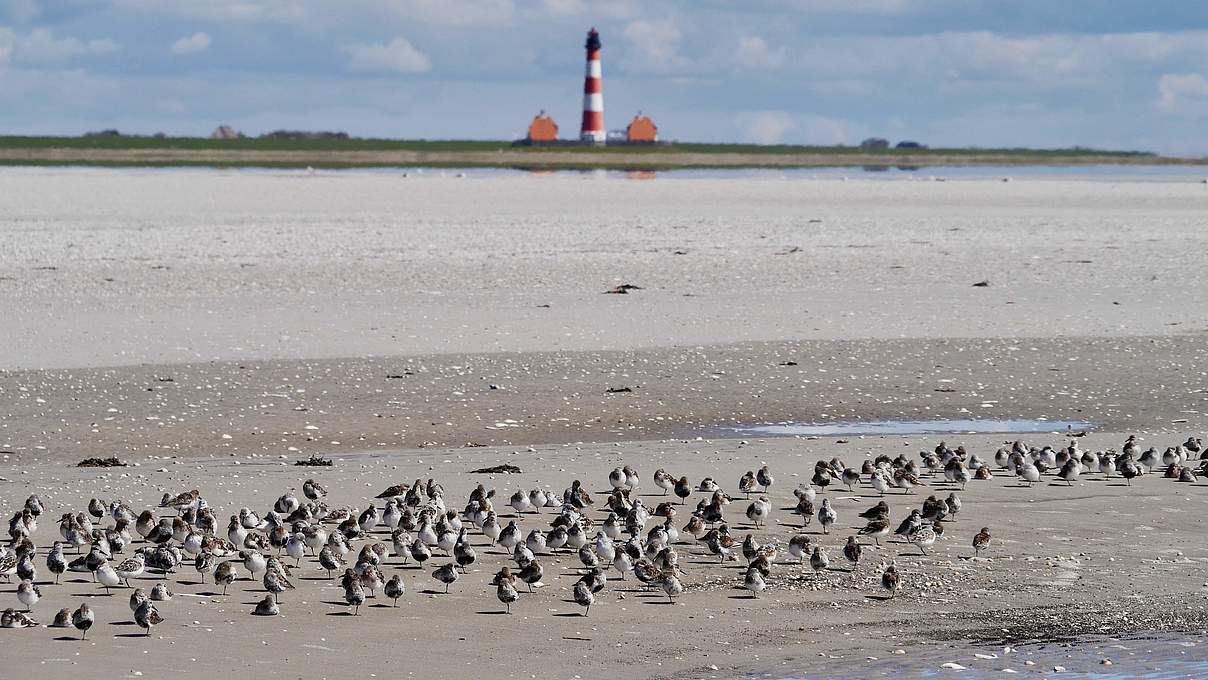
{"x":213,"y":327}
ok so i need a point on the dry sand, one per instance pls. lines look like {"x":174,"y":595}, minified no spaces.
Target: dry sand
{"x":211,"y":327}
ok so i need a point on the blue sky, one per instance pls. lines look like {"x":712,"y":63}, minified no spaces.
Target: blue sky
{"x":1103,"y":73}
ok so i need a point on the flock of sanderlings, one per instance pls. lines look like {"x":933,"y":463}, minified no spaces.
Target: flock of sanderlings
{"x":422,"y":528}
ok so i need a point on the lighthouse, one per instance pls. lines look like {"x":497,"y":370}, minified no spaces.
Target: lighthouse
{"x":592,"y":130}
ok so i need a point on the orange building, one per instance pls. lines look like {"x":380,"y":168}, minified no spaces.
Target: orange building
{"x":543,"y":129}
{"x":642,"y":131}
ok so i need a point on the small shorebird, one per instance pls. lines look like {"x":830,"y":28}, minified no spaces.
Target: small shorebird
{"x":446,"y":574}
{"x":224,"y":575}
{"x":819,"y":560}
{"x":683,"y":489}
{"x":147,"y":616}
{"x":276,"y":583}
{"x":799,"y":547}
{"x":354,"y":593}
{"x":826,"y":515}
{"x":131,"y":567}
{"x":56,"y":563}
{"x":583,"y":596}
{"x":672,"y":586}
{"x":852,"y":551}
{"x":759,"y":510}
{"x":62,"y":619}
{"x":764,"y":477}
{"x":107,"y":577}
{"x":267,"y":607}
{"x":753,"y":581}
{"x":663,"y":480}
{"x":981,"y":541}
{"x":923,"y":537}
{"x":82,"y":619}
{"x":877,"y":529}
{"x":506,"y":592}
{"x":313,"y":490}
{"x":746,"y":483}
{"x":137,"y":598}
{"x":532,"y":572}
{"x":160,"y":593}
{"x":878,"y":511}
{"x":890,"y":580}
{"x":395,"y":588}
{"x":28,"y":594}
{"x":12,"y":618}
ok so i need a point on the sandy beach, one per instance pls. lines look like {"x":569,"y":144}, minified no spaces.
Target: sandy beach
{"x":209,"y":328}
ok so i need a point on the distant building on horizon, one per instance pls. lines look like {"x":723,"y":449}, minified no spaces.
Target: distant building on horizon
{"x":641,"y":130}
{"x":543,"y":130}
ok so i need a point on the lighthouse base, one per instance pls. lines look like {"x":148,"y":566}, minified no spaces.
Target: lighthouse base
{"x":595,"y":137}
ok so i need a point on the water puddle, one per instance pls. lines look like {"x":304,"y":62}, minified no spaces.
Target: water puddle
{"x":1100,"y":658}
{"x":897,"y":427}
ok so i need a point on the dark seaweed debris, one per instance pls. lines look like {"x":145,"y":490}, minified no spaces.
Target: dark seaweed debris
{"x":100,"y":463}
{"x":505,"y":469}
{"x":314,"y":461}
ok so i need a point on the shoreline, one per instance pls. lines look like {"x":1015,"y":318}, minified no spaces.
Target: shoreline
{"x":526,"y":159}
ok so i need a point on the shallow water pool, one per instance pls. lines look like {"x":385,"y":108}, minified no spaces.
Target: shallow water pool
{"x":895,"y":427}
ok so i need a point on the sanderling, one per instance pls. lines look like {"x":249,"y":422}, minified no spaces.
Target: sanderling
{"x":583,"y":596}
{"x":826,"y":515}
{"x":890,"y":580}
{"x":267,"y":607}
{"x":753,"y":581}
{"x":446,"y":574}
{"x":224,"y":575}
{"x":147,"y":616}
{"x":82,"y":619}
{"x":981,"y":541}
{"x":28,"y":594}
{"x":852,"y":551}
{"x":395,"y":588}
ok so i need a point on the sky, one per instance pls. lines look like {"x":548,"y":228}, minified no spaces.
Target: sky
{"x":1119,"y":74}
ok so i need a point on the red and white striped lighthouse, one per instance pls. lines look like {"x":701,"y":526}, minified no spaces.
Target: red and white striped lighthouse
{"x":592,"y":130}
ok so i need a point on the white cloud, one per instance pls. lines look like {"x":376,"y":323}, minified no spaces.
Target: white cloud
{"x":224,"y":10}
{"x":753,"y":53}
{"x":198,"y":42}
{"x":654,"y":44}
{"x":1174,"y":89}
{"x":765,"y":127}
{"x":397,"y":56}
{"x":41,"y":47}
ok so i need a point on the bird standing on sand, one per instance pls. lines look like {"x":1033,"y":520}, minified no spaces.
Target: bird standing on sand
{"x":764,"y":477}
{"x":506,"y":592}
{"x":981,"y":541}
{"x":746,"y":483}
{"x":56,"y":563}
{"x":852,"y":551}
{"x":224,"y":575}
{"x":83,"y":619}
{"x":683,"y":489}
{"x":671,"y":586}
{"x":28,"y":594}
{"x":799,"y":547}
{"x":147,"y":616}
{"x":583,"y":596}
{"x":877,"y":529}
{"x":819,"y":560}
{"x":826,"y":515}
{"x":663,"y":480}
{"x":753,"y":581}
{"x":395,"y":588}
{"x":890,"y":580}
{"x":446,"y":574}
{"x":923,"y":537}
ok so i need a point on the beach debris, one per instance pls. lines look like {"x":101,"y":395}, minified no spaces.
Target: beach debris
{"x":953,"y":666}
{"x":112,"y":461}
{"x":787,"y":363}
{"x":622,"y":289}
{"x":504,"y":469}
{"x":399,"y":376}
{"x":982,"y":284}
{"x":618,"y":390}
{"x":315,"y":460}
